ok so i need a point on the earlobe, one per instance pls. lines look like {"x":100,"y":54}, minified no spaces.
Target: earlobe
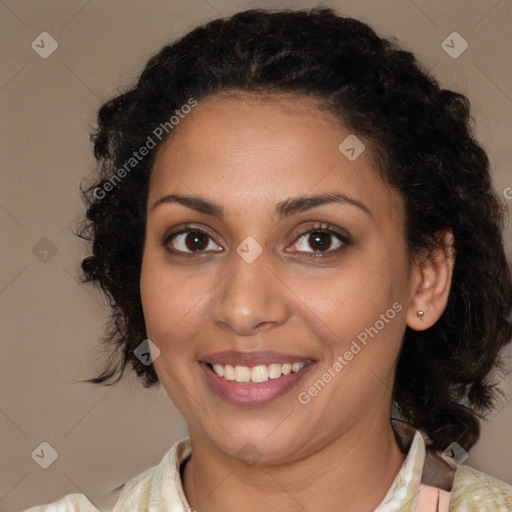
{"x":431,"y":284}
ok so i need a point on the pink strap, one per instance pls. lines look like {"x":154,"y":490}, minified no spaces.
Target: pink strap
{"x":433,"y":499}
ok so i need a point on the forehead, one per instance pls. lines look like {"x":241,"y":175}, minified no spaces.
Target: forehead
{"x":253,"y":150}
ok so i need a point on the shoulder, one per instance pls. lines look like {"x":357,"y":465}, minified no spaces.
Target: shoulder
{"x":474,"y":491}
{"x":158,"y":486}
{"x":135,"y":493}
{"x":69,"y":503}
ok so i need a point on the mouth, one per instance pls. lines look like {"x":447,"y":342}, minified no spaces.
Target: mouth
{"x":254,"y":385}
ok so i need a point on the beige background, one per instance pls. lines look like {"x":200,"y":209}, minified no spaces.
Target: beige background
{"x":51,"y":324}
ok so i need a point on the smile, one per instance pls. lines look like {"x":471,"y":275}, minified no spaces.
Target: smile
{"x":255,"y":385}
{"x":256,"y":374}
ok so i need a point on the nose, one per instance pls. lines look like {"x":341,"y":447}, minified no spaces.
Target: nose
{"x":250,"y":298}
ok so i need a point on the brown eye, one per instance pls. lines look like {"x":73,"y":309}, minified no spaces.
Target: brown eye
{"x":321,"y":241}
{"x":196,"y":241}
{"x":190,"y":241}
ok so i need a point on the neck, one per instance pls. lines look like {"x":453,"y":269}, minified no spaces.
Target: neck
{"x":352,"y":473}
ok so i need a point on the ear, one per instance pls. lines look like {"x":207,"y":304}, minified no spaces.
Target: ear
{"x":431,"y":283}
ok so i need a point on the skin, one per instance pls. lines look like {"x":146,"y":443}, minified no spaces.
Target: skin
{"x":337,"y":452}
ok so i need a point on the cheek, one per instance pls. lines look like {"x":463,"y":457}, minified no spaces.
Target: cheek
{"x":169,"y":325}
{"x":163,"y":299}
{"x":173,"y":303}
{"x":358,"y":310}
{"x":352,"y":294}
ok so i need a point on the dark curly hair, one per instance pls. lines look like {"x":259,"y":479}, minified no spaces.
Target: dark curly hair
{"x":445,"y":376}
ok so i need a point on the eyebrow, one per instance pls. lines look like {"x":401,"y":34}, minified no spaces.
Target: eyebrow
{"x":283,"y":209}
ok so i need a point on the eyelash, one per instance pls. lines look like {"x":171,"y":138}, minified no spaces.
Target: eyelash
{"x":318,"y":228}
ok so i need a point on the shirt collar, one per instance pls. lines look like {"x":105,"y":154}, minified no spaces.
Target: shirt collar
{"x":403,"y":492}
{"x":160,"y":488}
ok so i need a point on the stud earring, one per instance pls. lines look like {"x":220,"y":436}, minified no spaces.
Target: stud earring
{"x":420,"y":314}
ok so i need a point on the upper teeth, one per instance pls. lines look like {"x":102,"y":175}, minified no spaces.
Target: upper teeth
{"x":260,"y":373}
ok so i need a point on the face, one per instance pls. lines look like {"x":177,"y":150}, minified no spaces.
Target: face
{"x":246,"y":271}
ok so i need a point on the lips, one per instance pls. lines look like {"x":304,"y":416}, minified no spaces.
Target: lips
{"x":245,"y":391}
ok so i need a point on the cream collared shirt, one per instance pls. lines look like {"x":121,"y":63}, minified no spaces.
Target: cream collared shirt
{"x":159,"y":489}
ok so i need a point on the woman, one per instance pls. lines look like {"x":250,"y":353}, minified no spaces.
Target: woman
{"x":299,"y":237}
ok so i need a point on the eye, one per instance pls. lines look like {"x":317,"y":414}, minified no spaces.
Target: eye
{"x":190,"y":240}
{"x":321,"y":239}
